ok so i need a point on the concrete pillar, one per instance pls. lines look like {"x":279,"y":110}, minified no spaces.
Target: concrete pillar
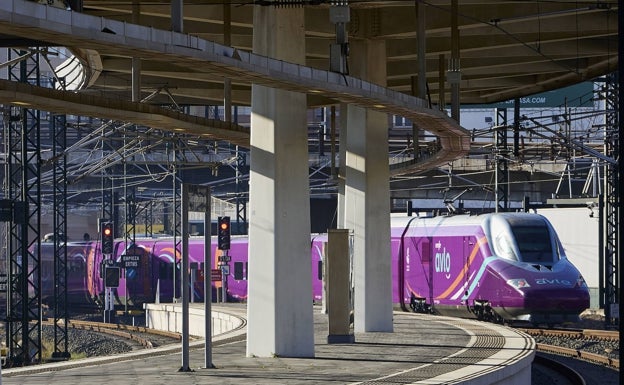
{"x":280,"y":275}
{"x":454,"y":72}
{"x":342,"y":155}
{"x":367,"y":196}
{"x":337,"y":283}
{"x":177,"y":15}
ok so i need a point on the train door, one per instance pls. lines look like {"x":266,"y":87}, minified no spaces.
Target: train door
{"x":77,"y":275}
{"x":428,"y":268}
{"x":165,"y":256}
{"x":422,"y":293}
{"x":470,"y":251}
{"x":468,"y":245}
{"x":163,"y":284}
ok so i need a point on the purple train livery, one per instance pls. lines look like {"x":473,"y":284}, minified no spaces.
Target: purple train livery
{"x":499,"y":267}
{"x":505,"y":266}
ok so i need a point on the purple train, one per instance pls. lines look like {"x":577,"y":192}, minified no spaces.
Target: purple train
{"x":505,"y":266}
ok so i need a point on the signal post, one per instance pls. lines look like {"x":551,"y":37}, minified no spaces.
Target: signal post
{"x":223,"y":243}
{"x":110,"y":272}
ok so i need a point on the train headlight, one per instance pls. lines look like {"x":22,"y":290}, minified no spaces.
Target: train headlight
{"x":580,"y":282}
{"x":518,"y":283}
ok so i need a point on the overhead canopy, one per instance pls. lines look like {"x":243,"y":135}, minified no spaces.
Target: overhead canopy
{"x":507,"y":49}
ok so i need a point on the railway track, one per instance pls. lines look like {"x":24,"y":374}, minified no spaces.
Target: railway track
{"x":551,"y":371}
{"x":147,"y":338}
{"x":594,"y":338}
{"x":607,"y":335}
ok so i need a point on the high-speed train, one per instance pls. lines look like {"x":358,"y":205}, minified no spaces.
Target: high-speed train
{"x":504,"y":266}
{"x":499,"y":266}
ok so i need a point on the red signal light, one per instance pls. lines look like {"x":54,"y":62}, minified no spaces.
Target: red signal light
{"x":223,"y":233}
{"x":107,"y":238}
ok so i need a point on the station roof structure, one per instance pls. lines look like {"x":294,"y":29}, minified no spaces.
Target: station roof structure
{"x":499,"y":50}
{"x":507,"y":49}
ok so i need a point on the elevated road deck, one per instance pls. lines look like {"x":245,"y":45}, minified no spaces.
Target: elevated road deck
{"x":57,"y":27}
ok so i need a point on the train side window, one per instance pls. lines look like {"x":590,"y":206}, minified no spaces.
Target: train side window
{"x":163,"y":271}
{"x":319,"y":270}
{"x":238,"y":271}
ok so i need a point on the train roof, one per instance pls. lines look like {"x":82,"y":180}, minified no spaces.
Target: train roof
{"x":402,"y":220}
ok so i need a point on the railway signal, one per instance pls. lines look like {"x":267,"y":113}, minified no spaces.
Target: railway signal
{"x":223,"y":233}
{"x":111,"y":276}
{"x":107,"y":238}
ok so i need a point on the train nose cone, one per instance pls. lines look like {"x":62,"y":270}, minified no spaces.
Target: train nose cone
{"x":557,"y":300}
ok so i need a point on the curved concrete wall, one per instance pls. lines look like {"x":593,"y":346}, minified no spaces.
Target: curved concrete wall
{"x":168,"y":317}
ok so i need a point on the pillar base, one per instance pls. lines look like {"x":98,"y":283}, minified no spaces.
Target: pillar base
{"x":340,"y":339}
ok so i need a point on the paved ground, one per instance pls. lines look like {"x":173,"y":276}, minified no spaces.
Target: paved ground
{"x":420,"y":348}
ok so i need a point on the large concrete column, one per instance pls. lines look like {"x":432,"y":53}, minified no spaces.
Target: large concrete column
{"x":280,"y":276}
{"x":342,"y":155}
{"x":367,"y":196}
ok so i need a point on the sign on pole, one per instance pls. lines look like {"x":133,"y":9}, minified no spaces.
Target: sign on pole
{"x":130,"y":261}
{"x":215,"y":274}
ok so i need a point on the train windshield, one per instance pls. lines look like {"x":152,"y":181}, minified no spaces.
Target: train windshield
{"x":524,"y":239}
{"x":534,"y":243}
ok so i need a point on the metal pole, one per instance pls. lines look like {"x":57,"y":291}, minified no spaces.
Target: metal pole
{"x":185,"y":279}
{"x":207,"y":281}
{"x":620,"y":165}
{"x":224,"y":279}
{"x":454,"y":68}
{"x":334,"y":173}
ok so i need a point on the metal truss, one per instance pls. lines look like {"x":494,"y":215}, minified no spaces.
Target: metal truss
{"x":58,"y":129}
{"x":241,"y":200}
{"x":147,"y":211}
{"x":130,"y":210}
{"x":611,"y":203}
{"x":176,"y":212}
{"x":107,"y":213}
{"x":23,"y":188}
{"x":501,"y":154}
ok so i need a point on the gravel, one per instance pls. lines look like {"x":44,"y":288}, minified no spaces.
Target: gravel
{"x":85,"y":343}
{"x":89,"y":343}
{"x":589,"y":320}
{"x":594,"y":374}
{"x":604,"y":348}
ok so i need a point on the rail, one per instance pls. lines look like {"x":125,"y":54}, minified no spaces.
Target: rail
{"x":589,"y":334}
{"x":607,"y":335}
{"x":580,"y":354}
{"x":572,"y":375}
{"x":124,"y":331}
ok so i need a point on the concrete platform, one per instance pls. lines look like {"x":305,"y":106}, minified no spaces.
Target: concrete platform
{"x":424,"y":349}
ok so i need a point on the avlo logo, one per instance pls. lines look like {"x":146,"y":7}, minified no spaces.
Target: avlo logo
{"x":443,"y":262}
{"x":556,"y":281}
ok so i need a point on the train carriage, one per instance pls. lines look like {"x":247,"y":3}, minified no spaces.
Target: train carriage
{"x":504,"y":266}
